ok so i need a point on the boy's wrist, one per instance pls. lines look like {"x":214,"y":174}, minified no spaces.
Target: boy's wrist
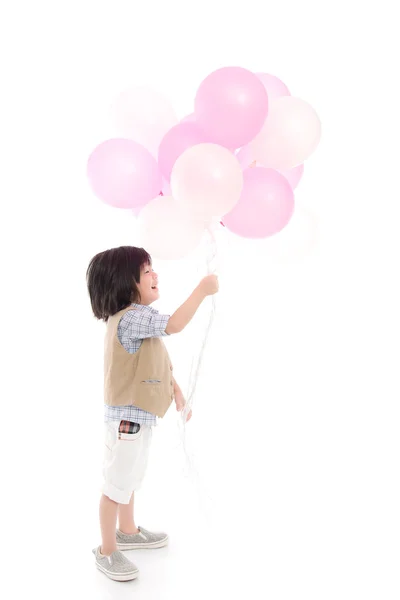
{"x":199,"y":293}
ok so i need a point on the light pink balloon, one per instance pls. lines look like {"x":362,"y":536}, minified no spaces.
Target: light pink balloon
{"x":231,"y":105}
{"x":167,"y":231}
{"x":289,"y":136}
{"x":177,"y":140}
{"x":294,"y":175}
{"x":265,"y":206}
{"x":275,"y":87}
{"x":123,"y":173}
{"x":143,"y":115}
{"x":207,"y":180}
{"x":245,"y":158}
{"x":166,"y":191}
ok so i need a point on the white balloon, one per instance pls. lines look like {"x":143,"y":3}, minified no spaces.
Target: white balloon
{"x":291,"y":133}
{"x":167,"y":231}
{"x":143,"y":115}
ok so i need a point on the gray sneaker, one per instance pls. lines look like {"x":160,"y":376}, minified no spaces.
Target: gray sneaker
{"x":143,"y":539}
{"x":116,"y":566}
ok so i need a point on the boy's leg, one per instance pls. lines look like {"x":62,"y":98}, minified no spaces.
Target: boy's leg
{"x":109,"y":559}
{"x":126,"y":521}
{"x":108,"y":521}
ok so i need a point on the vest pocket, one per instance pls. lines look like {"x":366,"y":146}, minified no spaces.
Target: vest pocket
{"x":150,"y":390}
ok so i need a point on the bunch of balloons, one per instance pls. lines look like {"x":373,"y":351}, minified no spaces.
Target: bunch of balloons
{"x":178,"y":177}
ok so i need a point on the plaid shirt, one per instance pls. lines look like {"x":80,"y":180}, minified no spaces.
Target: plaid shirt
{"x":133,"y":328}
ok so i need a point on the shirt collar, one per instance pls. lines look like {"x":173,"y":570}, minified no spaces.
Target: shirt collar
{"x":144,"y":308}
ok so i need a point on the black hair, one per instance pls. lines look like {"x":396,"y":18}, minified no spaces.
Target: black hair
{"x":112,"y":278}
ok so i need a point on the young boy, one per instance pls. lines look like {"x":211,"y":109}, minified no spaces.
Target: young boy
{"x":138,"y":387}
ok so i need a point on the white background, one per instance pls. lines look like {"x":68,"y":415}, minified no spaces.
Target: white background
{"x":296,"y":420}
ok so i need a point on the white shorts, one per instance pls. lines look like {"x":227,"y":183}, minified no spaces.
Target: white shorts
{"x":125,"y":461}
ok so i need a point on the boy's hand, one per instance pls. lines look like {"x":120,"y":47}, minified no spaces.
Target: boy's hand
{"x":209,"y":285}
{"x":181,"y":403}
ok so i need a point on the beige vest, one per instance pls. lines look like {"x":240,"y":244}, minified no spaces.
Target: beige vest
{"x":143,"y":379}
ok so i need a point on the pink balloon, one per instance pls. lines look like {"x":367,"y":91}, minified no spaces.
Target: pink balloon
{"x":166,"y":189}
{"x":231,"y":106}
{"x":265,"y":206}
{"x":245,"y":157}
{"x":177,"y":140}
{"x":275,"y":87}
{"x":189,"y":118}
{"x":123,"y":173}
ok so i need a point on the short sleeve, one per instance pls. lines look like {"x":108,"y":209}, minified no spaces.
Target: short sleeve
{"x":137,"y":325}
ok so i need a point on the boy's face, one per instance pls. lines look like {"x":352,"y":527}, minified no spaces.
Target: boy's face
{"x":148,"y":286}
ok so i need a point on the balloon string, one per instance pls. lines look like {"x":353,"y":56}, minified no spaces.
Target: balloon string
{"x":195,"y":370}
{"x":203,"y":495}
